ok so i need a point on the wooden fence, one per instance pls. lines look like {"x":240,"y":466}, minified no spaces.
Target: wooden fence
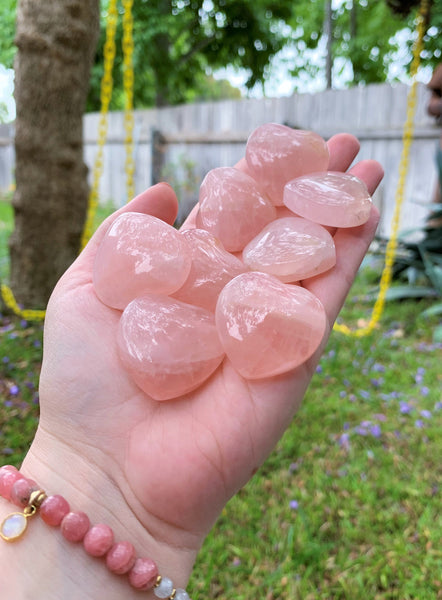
{"x":182,"y":143}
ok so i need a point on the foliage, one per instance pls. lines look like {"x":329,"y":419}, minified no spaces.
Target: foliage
{"x":177,"y":42}
{"x":363,"y":34}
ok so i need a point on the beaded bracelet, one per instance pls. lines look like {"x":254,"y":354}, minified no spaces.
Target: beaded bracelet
{"x":97,"y":540}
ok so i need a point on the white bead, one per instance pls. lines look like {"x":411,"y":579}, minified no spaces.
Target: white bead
{"x":164,"y":589}
{"x":181,"y":594}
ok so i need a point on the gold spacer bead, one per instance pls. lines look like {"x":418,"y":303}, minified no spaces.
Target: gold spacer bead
{"x":158,"y":581}
{"x":173,"y":594}
{"x":37,"y":498}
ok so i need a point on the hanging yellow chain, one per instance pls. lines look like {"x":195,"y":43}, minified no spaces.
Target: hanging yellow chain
{"x":407,"y":139}
{"x":105,"y":98}
{"x":128,"y":84}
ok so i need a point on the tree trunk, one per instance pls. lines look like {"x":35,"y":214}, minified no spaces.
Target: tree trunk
{"x":56,"y":42}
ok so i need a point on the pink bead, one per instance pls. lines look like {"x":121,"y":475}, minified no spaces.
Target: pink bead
{"x":143,"y":574}
{"x":233,"y":207}
{"x":8,"y":468}
{"x":168,"y":347}
{"x":275,"y":154}
{"x":7,"y":479}
{"x":98,"y":540}
{"x":21,"y":491}
{"x":53,"y":510}
{"x":121,"y":558}
{"x":268,"y":327}
{"x":74,"y":526}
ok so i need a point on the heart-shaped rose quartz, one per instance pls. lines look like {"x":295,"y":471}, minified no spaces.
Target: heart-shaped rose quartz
{"x":275,"y":154}
{"x":139,"y":254}
{"x":168,"y":347}
{"x":268,"y":327}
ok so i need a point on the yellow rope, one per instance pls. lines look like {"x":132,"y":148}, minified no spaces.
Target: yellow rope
{"x":407,"y":139}
{"x":128,"y":84}
{"x":105,"y":98}
{"x":11,"y":303}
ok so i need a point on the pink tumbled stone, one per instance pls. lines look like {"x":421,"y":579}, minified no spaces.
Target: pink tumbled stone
{"x":98,"y":540}
{"x":140,"y":254}
{"x":233,"y":207}
{"x":292,"y":249}
{"x":268,"y":327}
{"x":8,"y":476}
{"x":143,"y":574}
{"x":275,"y":154}
{"x":53,"y":510}
{"x":333,"y":199}
{"x":121,"y":558}
{"x":168,"y":347}
{"x":212,"y":267}
{"x":21,"y":491}
{"x":74,"y":526}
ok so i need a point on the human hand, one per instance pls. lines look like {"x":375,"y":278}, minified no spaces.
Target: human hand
{"x":162,"y":472}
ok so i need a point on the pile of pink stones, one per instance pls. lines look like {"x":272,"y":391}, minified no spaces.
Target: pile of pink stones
{"x":231,"y":286}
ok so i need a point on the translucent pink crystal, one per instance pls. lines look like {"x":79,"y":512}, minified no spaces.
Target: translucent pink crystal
{"x":275,"y":154}
{"x":212,"y":267}
{"x":140,"y":254}
{"x":233,"y":207}
{"x":335,"y":199}
{"x":292,"y":249}
{"x":268,"y":327}
{"x":168,"y":347}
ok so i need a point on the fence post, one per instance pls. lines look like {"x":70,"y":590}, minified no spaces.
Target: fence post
{"x":158,"y":142}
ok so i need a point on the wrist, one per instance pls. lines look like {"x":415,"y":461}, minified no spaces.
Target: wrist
{"x":53,"y":564}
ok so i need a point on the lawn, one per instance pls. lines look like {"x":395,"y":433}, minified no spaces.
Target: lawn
{"x":348,"y":504}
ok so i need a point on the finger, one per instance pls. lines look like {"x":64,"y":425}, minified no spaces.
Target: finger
{"x":371,"y":173}
{"x":351,"y":245}
{"x":343,"y":149}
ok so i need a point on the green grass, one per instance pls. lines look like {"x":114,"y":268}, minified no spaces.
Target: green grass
{"x":348,"y":504}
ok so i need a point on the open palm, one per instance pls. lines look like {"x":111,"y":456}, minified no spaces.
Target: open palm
{"x":175,"y":463}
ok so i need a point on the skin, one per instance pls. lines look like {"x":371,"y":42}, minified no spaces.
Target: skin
{"x":158,"y":473}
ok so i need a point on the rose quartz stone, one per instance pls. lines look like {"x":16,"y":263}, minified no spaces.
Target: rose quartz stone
{"x":292,"y":249}
{"x":74,"y":526}
{"x":98,"y":540}
{"x":53,"y":510}
{"x":139,"y":254}
{"x":168,"y":347}
{"x":333,"y":199}
{"x":212,"y":267}
{"x":275,"y":154}
{"x":143,"y":574}
{"x":233,"y":207}
{"x":8,"y":476}
{"x":268,"y":327}
{"x":121,"y":558}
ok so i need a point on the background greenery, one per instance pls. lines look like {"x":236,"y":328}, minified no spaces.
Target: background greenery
{"x":348,"y":504}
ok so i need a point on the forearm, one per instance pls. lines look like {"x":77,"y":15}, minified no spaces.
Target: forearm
{"x":43,"y":564}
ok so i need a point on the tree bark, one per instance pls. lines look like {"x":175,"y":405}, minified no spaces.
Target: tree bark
{"x":56,"y":43}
